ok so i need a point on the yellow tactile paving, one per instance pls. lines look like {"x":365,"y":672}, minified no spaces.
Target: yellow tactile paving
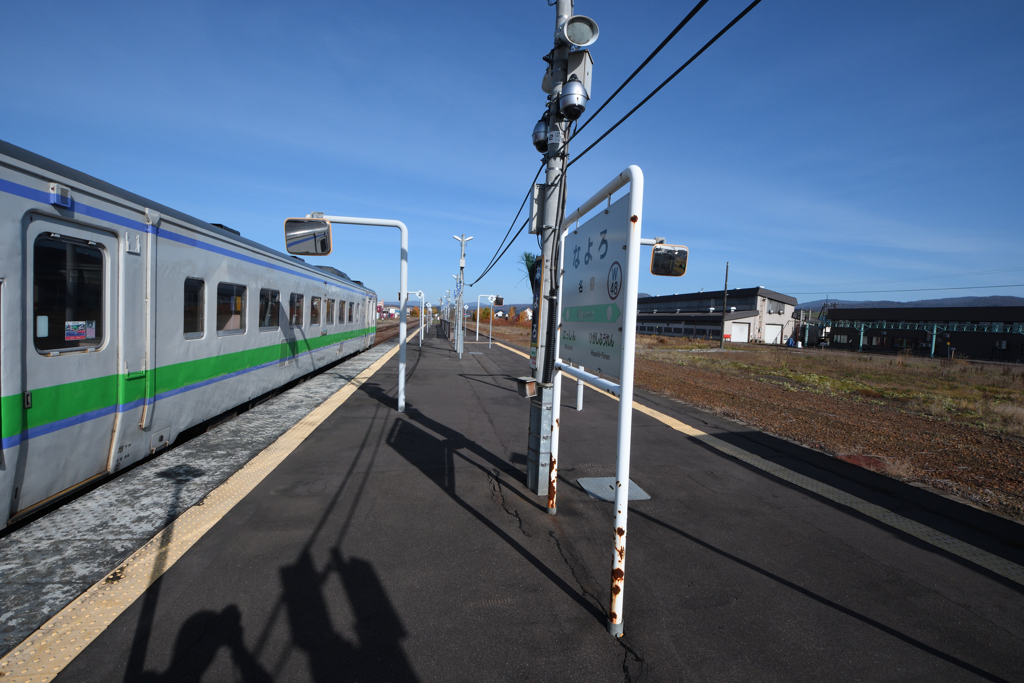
{"x":52,"y":647}
{"x":993,"y":563}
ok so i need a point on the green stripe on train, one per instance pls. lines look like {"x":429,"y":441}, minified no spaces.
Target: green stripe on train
{"x":63,"y":401}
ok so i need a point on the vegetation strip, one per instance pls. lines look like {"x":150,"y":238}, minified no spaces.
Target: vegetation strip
{"x":45,"y":653}
{"x":982,"y":558}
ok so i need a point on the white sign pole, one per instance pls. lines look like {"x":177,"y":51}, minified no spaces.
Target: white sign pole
{"x":594,"y":315}
{"x":403,"y":292}
{"x":632,"y":283}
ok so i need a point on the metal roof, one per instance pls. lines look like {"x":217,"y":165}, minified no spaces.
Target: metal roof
{"x":748,"y":291}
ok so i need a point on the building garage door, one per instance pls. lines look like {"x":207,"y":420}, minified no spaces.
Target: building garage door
{"x":773,"y":334}
{"x":741,"y":332}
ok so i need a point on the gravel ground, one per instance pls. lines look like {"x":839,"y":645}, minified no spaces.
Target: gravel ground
{"x":983,"y":468}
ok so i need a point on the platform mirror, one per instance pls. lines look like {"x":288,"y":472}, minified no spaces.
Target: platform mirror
{"x":669,"y":260}
{"x":307,"y":236}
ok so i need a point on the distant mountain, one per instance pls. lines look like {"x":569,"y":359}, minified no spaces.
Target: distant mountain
{"x":952,"y":302}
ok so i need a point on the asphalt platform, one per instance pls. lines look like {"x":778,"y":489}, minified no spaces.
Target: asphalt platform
{"x":406,"y":547}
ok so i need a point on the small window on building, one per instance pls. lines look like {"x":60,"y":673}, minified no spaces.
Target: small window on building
{"x":195,"y":307}
{"x":295,"y":310}
{"x":350,"y":307}
{"x":270,"y":309}
{"x":230,"y":308}
{"x":67,"y":301}
{"x":314,"y":310}
{"x":329,"y":311}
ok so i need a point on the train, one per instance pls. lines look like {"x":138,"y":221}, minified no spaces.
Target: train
{"x":124,"y":323}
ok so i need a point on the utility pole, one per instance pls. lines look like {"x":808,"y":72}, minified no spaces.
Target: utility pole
{"x":461,"y":280}
{"x":725,"y":302}
{"x":567,"y":98}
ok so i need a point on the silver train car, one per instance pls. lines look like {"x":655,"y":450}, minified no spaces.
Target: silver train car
{"x":124,"y":322}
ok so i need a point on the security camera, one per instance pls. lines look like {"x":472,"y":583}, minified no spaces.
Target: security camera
{"x":573,"y":100}
{"x":540,"y":136}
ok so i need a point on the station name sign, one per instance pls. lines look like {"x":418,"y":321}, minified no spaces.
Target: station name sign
{"x":594,"y":263}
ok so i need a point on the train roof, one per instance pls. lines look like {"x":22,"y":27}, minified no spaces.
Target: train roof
{"x":52,"y":166}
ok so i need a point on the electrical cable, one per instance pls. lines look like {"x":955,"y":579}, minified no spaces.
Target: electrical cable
{"x":667,"y":80}
{"x":647,"y":61}
{"x":578,"y":127}
{"x":525,"y":199}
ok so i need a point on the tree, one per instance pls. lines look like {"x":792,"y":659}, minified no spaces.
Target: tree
{"x":512,"y":313}
{"x":530,"y":263}
{"x":415,"y":312}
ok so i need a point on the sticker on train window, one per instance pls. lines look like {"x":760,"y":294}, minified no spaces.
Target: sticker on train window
{"x":68,"y":292}
{"x":75,"y":330}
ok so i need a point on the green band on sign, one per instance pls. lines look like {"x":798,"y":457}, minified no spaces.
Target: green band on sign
{"x":598,"y":313}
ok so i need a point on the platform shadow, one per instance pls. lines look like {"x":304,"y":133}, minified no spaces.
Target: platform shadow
{"x":888,"y":630}
{"x":436,"y":460}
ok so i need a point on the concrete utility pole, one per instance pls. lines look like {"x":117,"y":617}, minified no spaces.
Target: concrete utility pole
{"x":461,"y":279}
{"x":725,"y":302}
{"x":539,"y":451}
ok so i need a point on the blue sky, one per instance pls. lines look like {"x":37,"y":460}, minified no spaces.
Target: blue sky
{"x":819,"y":147}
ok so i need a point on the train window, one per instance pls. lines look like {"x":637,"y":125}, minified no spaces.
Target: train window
{"x":230,"y":308}
{"x":195,"y":306}
{"x":329,"y":311}
{"x":67,"y":296}
{"x":350,"y":307}
{"x":270,"y":309}
{"x":341,"y":314}
{"x":314,"y":310}
{"x":295,"y":310}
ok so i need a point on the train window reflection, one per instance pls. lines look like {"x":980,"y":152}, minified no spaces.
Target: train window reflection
{"x":67,"y":298}
{"x":194,"y":308}
{"x":230,"y":308}
{"x":295,"y":310}
{"x":270,"y":309}
{"x":314,"y":310}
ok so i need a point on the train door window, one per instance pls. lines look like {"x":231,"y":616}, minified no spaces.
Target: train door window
{"x":194,"y":308}
{"x":330,"y":311}
{"x":350,"y":307}
{"x":230,"y":308}
{"x":314,"y":310}
{"x":270,"y":309}
{"x":295,"y":310}
{"x":68,"y":293}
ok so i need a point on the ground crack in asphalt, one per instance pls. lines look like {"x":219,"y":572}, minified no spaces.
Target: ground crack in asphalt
{"x":631,"y":659}
{"x":495,"y":479}
{"x":572,"y":570}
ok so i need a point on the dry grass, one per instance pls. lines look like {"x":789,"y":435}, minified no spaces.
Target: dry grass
{"x":986,"y":395}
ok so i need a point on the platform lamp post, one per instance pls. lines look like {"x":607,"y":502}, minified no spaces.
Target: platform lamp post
{"x":311,"y":236}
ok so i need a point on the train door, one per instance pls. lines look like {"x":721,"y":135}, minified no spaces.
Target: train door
{"x":70,"y":358}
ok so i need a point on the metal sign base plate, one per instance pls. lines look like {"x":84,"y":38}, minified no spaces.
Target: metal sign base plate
{"x":603,"y":488}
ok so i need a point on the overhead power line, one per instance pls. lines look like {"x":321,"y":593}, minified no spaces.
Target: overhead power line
{"x":647,"y":61}
{"x":926,"y":289}
{"x":497,"y":256}
{"x":667,"y":80}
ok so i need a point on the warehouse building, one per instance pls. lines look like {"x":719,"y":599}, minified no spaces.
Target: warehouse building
{"x":755,"y":314}
{"x":983,"y":333}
